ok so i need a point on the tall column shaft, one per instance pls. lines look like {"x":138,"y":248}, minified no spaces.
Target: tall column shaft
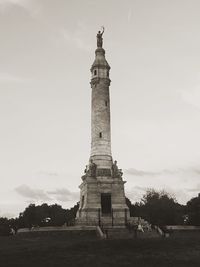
{"x":100,"y":111}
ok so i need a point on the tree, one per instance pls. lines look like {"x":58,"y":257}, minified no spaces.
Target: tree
{"x":71,"y":214}
{"x":57,"y":214}
{"x":160,"y":208}
{"x":193,"y":210}
{"x":4,"y":226}
{"x":45,"y":215}
{"x":28,"y":217}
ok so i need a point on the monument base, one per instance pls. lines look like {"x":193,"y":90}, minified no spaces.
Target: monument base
{"x":102,"y":202}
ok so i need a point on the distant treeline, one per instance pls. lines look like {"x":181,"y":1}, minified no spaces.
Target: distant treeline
{"x":157,"y":207}
{"x":40,"y":215}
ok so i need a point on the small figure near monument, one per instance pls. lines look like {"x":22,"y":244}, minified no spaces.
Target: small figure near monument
{"x":100,"y":38}
{"x":92,"y":169}
{"x":140,"y":228}
{"x":116,"y":172}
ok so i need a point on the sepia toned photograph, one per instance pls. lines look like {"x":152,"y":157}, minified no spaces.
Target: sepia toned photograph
{"x":100,"y":133}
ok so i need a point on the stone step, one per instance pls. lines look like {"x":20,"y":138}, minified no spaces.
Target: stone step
{"x":124,"y":233}
{"x":57,"y":228}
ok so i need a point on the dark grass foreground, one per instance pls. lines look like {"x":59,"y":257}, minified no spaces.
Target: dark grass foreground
{"x":61,"y":251}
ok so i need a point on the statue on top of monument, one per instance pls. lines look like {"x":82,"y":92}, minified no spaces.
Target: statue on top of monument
{"x":100,"y":38}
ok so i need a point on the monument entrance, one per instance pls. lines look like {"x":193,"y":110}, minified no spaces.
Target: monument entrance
{"x":106,"y":207}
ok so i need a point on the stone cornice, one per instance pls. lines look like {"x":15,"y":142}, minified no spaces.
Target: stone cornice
{"x":97,"y":80}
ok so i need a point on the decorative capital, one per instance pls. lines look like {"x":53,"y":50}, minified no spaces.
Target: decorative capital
{"x":97,"y":80}
{"x":94,"y":81}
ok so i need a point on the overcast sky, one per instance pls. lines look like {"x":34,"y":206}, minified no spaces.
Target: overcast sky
{"x":46,"y":51}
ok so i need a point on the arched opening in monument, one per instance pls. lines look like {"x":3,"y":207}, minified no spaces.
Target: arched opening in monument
{"x":100,"y":135}
{"x":106,"y":206}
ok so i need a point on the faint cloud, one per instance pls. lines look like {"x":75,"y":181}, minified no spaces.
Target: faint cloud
{"x":13,"y":2}
{"x":180,"y":195}
{"x":182,"y":183}
{"x":9,"y":3}
{"x":48,"y":173}
{"x":9,"y":78}
{"x":136,"y":172}
{"x":141,"y":188}
{"x":192,"y":97}
{"x":136,"y":193}
{"x":33,"y":194}
{"x":78,"y":37}
{"x":64,"y":195}
{"x":28,"y":5}
{"x":194,"y":189}
{"x":129,"y":15}
{"x":7,"y":215}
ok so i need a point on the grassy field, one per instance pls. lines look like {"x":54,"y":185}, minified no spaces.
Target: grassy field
{"x":64,"y":251}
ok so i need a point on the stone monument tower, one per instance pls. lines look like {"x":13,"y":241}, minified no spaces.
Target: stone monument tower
{"x":102,"y":199}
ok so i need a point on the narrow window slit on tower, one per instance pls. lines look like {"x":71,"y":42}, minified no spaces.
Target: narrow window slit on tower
{"x":106,"y":103}
{"x":100,"y":134}
{"x":95,"y":72}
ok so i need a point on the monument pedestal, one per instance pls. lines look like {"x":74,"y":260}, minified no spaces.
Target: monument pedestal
{"x":102,"y":202}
